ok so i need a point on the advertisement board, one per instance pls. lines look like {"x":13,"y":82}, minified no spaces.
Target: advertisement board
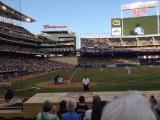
{"x":116,"y":31}
{"x":116,"y":26}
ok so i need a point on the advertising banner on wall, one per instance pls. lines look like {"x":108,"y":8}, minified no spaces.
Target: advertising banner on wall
{"x":116,"y":31}
{"x":116,"y":26}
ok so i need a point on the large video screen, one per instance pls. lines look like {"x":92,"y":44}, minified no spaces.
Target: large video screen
{"x":140,"y":25}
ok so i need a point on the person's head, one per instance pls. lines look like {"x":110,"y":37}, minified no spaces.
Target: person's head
{"x":47,"y":106}
{"x":63,"y":104}
{"x":138,"y":25}
{"x":54,"y":108}
{"x":133,"y":106}
{"x":85,"y":76}
{"x":96,"y":99}
{"x":8,"y":86}
{"x":81,"y":99}
{"x":97,"y":111}
{"x":71,"y":105}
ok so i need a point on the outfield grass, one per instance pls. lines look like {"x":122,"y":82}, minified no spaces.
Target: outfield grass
{"x":146,"y":78}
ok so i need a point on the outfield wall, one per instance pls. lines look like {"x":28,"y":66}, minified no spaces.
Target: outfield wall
{"x":70,"y":60}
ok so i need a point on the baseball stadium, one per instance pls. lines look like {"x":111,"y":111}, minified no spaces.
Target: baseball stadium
{"x":50,"y":66}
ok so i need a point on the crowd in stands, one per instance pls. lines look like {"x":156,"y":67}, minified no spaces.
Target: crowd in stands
{"x":132,"y":106}
{"x":30,"y":64}
{"x":17,"y":48}
{"x":14,"y":27}
{"x":112,"y":49}
{"x":100,"y":60}
{"x":105,"y":42}
{"x":16,"y":30}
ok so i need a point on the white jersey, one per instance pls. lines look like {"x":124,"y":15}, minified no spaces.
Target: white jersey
{"x":101,"y":69}
{"x":60,"y":80}
{"x":139,"y":31}
{"x":85,"y":81}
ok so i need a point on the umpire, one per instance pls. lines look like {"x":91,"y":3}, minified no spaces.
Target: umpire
{"x":56,"y":79}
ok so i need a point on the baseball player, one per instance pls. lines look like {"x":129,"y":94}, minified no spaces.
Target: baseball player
{"x":60,"y":80}
{"x":129,"y":70}
{"x":16,"y":76}
{"x":138,"y":30}
{"x":2,"y":79}
{"x":101,"y":69}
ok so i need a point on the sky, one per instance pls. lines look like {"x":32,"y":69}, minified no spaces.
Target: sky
{"x":82,"y":16}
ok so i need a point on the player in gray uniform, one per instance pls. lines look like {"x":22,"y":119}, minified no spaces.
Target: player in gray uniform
{"x":16,"y":76}
{"x":2,"y":80}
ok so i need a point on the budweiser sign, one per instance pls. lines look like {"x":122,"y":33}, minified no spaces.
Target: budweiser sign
{"x":54,"y":26}
{"x":138,"y":5}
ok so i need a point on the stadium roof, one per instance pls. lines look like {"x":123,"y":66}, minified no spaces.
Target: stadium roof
{"x":8,"y":12}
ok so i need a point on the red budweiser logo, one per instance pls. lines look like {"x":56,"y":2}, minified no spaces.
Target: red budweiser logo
{"x":54,"y":26}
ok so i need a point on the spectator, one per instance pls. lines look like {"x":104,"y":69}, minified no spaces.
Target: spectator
{"x":153,"y":101}
{"x":46,"y":115}
{"x":62,"y":109}
{"x":134,"y":106}
{"x":97,"y":111}
{"x":81,"y":107}
{"x":9,"y":93}
{"x":71,"y":114}
{"x":156,"y":109}
{"x":96,"y":99}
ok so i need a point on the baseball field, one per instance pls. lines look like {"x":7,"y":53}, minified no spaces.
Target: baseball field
{"x":111,"y":79}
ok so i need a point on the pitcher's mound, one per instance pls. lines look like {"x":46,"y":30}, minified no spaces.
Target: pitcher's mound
{"x":128,"y":75}
{"x":50,"y":84}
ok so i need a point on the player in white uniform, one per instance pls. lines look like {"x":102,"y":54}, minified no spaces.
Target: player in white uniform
{"x":101,"y":69}
{"x":129,"y":70}
{"x":138,"y":30}
{"x":86,"y":83}
{"x":60,"y":81}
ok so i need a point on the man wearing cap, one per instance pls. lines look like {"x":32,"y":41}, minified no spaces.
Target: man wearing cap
{"x":9,"y":93}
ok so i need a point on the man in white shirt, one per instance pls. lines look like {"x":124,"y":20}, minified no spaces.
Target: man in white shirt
{"x":86,"y":83}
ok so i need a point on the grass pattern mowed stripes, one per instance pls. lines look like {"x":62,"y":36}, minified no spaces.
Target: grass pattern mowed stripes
{"x":111,"y":79}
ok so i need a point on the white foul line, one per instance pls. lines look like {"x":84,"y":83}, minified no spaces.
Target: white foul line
{"x":72,"y":76}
